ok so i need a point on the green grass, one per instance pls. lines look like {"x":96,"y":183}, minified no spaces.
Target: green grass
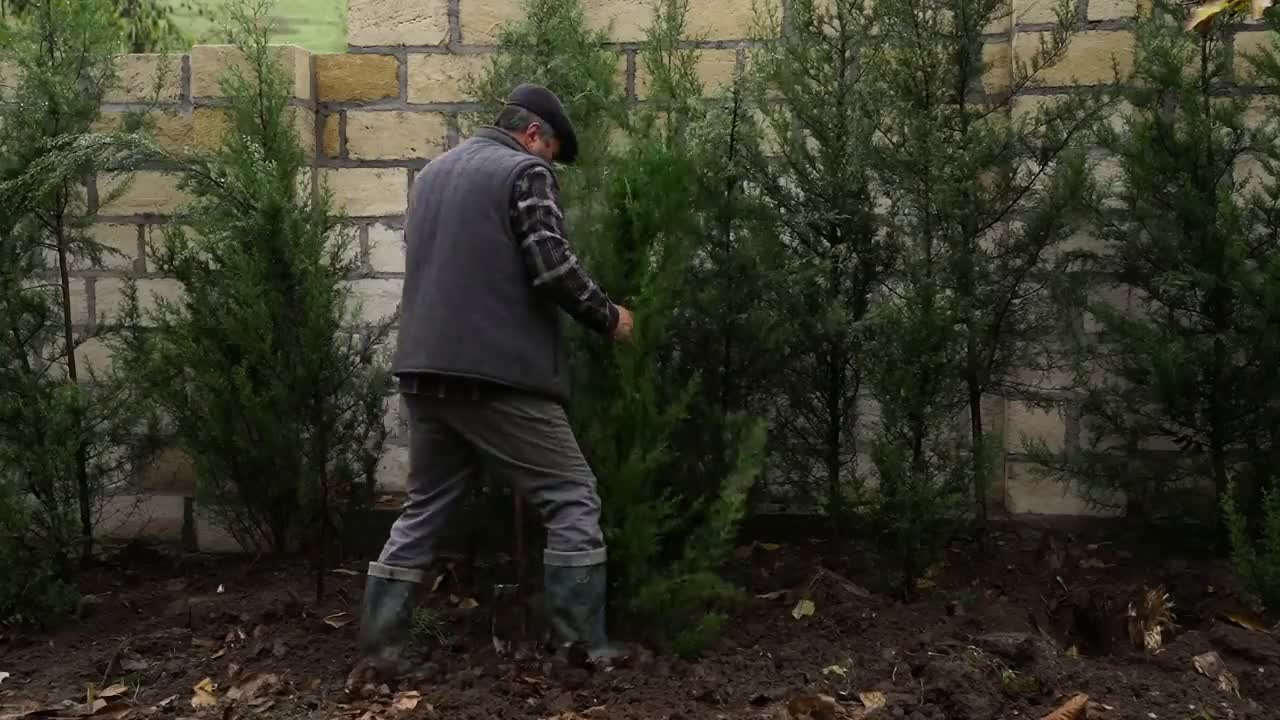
{"x":317,"y":25}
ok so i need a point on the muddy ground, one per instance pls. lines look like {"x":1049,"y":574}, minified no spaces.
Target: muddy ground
{"x":1012,"y":631}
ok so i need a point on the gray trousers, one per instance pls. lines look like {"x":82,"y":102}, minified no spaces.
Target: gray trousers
{"x":517,"y":438}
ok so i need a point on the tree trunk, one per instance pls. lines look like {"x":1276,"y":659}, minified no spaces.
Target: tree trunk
{"x":83,"y":493}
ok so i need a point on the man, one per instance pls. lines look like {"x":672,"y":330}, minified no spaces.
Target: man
{"x":483,"y":370}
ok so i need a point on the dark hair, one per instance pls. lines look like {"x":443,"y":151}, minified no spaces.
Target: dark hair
{"x":517,"y":119}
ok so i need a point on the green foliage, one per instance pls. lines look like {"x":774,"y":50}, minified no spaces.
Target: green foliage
{"x":260,"y":370}
{"x":809,"y":159}
{"x":640,"y":211}
{"x":1182,"y":337}
{"x":1255,"y":552}
{"x":65,"y":430}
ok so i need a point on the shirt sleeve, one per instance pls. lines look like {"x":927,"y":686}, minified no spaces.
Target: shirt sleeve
{"x":552,"y":267}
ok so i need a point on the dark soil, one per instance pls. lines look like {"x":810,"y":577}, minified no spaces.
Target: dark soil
{"x":1010,"y":631}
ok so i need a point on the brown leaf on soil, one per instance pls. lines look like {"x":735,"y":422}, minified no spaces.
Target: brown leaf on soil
{"x":1077,"y":708}
{"x":469,"y":604}
{"x":1246,"y":620}
{"x":812,"y":707}
{"x":873,"y":700}
{"x":339,"y":619}
{"x":1211,"y":666}
{"x":88,"y":709}
{"x":113,"y":711}
{"x":406,"y":701}
{"x":256,"y":684}
{"x":204,"y":694}
{"x":114,"y":691}
{"x":167,"y":701}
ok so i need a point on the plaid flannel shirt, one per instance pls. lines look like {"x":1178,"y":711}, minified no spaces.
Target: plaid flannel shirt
{"x":538,"y":222}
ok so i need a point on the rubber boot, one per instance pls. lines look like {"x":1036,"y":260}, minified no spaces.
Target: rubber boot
{"x":388,"y":614}
{"x":575,"y":598}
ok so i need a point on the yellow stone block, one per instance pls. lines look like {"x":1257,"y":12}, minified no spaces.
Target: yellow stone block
{"x":999,"y":73}
{"x":1028,"y":12}
{"x":356,"y":78}
{"x":1251,"y":44}
{"x":332,"y":137}
{"x":481,"y":22}
{"x":715,"y":69}
{"x":369,"y":192}
{"x":146,"y":78}
{"x":1088,"y":60}
{"x":630,"y":20}
{"x":210,"y":64}
{"x":372,"y":23}
{"x":1112,"y":9}
{"x":147,"y":192}
{"x":208,"y":126}
{"x":395,"y":135}
{"x":439,"y":78}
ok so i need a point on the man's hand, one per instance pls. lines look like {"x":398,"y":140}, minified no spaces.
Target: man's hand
{"x":625,"y":325}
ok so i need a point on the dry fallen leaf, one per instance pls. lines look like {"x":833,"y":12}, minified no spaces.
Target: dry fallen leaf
{"x":344,"y":571}
{"x":803,"y":609}
{"x":203,"y":696}
{"x":218,"y":654}
{"x":772,"y":595}
{"x":469,"y":604}
{"x":769,"y":547}
{"x":113,"y":711}
{"x":835,"y":670}
{"x":88,"y":709}
{"x":1211,"y":666}
{"x":1094,"y":564}
{"x":250,"y":688}
{"x":436,"y":585}
{"x":114,"y":691}
{"x":1246,"y":620}
{"x":814,"y":707}
{"x":167,"y":701}
{"x":339,"y":619}
{"x":1073,"y":709}
{"x":872,"y":700}
{"x":4,"y":676}
{"x":406,"y":701}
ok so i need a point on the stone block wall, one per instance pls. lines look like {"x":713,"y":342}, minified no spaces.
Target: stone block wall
{"x":376,"y":114}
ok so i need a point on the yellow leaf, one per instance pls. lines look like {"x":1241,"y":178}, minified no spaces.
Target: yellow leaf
{"x":804,"y":608}
{"x":339,"y":619}
{"x":113,"y":691}
{"x":872,"y":700}
{"x":204,"y":696}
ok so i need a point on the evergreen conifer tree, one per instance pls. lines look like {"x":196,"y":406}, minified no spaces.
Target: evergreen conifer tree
{"x":64,"y":428}
{"x":264,"y":371}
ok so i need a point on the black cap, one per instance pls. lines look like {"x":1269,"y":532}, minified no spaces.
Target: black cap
{"x":544,"y":103}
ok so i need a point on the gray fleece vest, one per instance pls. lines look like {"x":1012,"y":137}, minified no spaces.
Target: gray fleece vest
{"x":468,"y":309}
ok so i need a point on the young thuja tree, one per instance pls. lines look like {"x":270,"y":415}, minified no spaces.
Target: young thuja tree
{"x":637,"y":223}
{"x":64,"y":429}
{"x":1252,"y":505}
{"x":808,"y":165}
{"x":1184,"y":362}
{"x":671,"y":530}
{"x":260,"y":370}
{"x":991,"y":192}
